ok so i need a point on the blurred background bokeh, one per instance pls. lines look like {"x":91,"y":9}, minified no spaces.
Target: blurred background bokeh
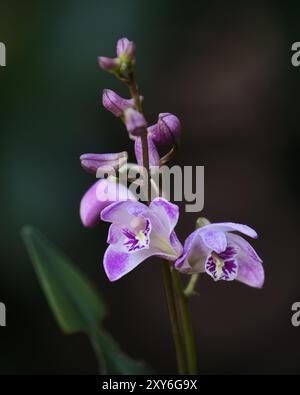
{"x":224,"y":68}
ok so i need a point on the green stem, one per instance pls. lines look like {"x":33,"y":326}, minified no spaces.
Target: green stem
{"x":171,"y":302}
{"x":190,"y":288}
{"x":188,"y":334}
{"x":134,"y":91}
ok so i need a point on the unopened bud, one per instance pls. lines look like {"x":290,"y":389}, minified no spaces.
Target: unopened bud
{"x":135,"y":122}
{"x":167,"y":130}
{"x":126,"y":49}
{"x":115,"y":103}
{"x":202,"y":221}
{"x":104,"y":163}
{"x":108,"y":64}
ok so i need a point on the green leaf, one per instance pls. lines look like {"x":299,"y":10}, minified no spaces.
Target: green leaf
{"x":76,"y":305}
{"x":117,"y":362}
{"x":74,"y":302}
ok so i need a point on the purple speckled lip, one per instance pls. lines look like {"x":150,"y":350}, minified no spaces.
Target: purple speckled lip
{"x":139,"y":240}
{"x":222,"y":266}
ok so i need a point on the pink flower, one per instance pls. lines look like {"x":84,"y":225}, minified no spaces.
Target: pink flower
{"x":138,"y":232}
{"x":222,"y":255}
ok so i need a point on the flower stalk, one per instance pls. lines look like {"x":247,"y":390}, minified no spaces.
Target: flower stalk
{"x":177,"y":302}
{"x":134,"y":91}
{"x":190,"y":288}
{"x":174,"y":319}
{"x":166,"y":268}
{"x":187,"y":328}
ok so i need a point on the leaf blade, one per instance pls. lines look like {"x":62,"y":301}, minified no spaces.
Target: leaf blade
{"x":74,"y":302}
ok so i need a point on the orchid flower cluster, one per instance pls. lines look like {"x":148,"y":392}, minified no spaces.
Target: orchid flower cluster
{"x":140,"y":230}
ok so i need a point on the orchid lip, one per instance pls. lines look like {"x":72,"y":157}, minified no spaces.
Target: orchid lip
{"x":219,"y":266}
{"x":137,"y":239}
{"x":222,"y":266}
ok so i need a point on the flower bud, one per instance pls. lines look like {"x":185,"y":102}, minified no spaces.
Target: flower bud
{"x":126,"y":49}
{"x":135,"y":122}
{"x":167,"y":130}
{"x":123,"y":63}
{"x":108,"y":64}
{"x":115,"y":103}
{"x":104,"y":163}
{"x":202,"y":221}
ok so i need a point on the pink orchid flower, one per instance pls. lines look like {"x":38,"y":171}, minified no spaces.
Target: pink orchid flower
{"x":138,"y":232}
{"x":222,"y":255}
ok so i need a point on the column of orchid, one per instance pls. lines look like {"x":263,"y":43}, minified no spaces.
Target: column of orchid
{"x":140,"y":230}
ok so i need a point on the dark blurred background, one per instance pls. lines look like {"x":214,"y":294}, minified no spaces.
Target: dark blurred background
{"x":224,"y":68}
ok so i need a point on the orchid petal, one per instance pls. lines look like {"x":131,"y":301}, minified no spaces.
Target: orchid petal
{"x":214,"y":240}
{"x":123,"y":212}
{"x":251,"y":271}
{"x":100,"y":195}
{"x":176,"y":245}
{"x":164,"y":209}
{"x":115,"y":235}
{"x":195,"y":254}
{"x":231,"y":227}
{"x":118,"y":263}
